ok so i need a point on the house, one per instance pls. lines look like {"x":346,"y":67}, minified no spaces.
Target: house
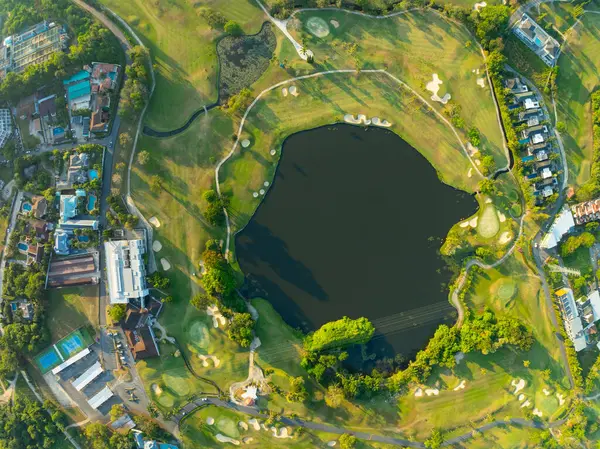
{"x":126,"y":272}
{"x":515,"y":85}
{"x":35,"y":253}
{"x":137,"y":317}
{"x":562,"y":225}
{"x":149,"y":444}
{"x":39,"y":227}
{"x":39,"y":206}
{"x":61,"y":242}
{"x":142,"y":343}
{"x":586,"y":211}
{"x":24,"y":307}
{"x":536,"y":38}
{"x":571,"y":318}
{"x":534,"y":135}
{"x":531,"y":116}
{"x":47,"y":106}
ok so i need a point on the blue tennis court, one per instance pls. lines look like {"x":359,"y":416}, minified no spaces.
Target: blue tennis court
{"x":48,"y":360}
{"x":70,"y":345}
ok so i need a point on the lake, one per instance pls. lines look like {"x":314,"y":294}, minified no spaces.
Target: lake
{"x":352,"y":225}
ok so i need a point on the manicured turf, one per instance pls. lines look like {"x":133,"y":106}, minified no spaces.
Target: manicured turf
{"x":488,"y":224}
{"x":183,"y":50}
{"x":71,"y":308}
{"x":577,"y":79}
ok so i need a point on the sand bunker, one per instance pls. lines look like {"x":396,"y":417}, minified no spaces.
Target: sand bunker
{"x":165,"y":264}
{"x":418,"y":393}
{"x":245,"y":143}
{"x":261,"y":191}
{"x":470,"y":172}
{"x":247,"y":440}
{"x":349,"y":118}
{"x":154,"y":222}
{"x":378,"y":122}
{"x":206,"y":358}
{"x":521,"y":397}
{"x":472,"y":150}
{"x":526,"y":404}
{"x":479,"y":5}
{"x":284,"y":92}
{"x":546,"y":391}
{"x":434,"y":87}
{"x":156,"y":246}
{"x":280,"y":433}
{"x":317,"y":26}
{"x":223,"y":439}
{"x":210,"y":420}
{"x":432,"y":392}
{"x":335,"y":23}
{"x":481,"y":82}
{"x":331,"y":443}
{"x":273,"y":152}
{"x":477,"y":162}
{"x":473,"y":222}
{"x":501,"y":217}
{"x":536,"y":412}
{"x":255,"y":194}
{"x":464,"y":224}
{"x":217,"y":317}
{"x":254,"y":423}
{"x":266,"y":183}
{"x":561,"y":398}
{"x":156,"y":389}
{"x":505,"y":237}
{"x":519,"y":385}
{"x":243,"y":425}
{"x":461,"y":385}
{"x":294,"y":91}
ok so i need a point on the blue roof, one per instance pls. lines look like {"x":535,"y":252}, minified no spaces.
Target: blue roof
{"x":68,"y":206}
{"x":79,"y":90}
{"x":80,"y":192}
{"x":61,"y":243}
{"x":79,"y":76}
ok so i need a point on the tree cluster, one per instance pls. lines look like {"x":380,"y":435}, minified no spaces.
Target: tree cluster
{"x":122,"y":214}
{"x":158,"y":280}
{"x":340,"y":333}
{"x":574,"y":242}
{"x":99,"y":436}
{"x":591,"y":188}
{"x":214,"y":212}
{"x":135,"y":91}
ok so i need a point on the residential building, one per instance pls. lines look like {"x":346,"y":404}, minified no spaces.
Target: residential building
{"x":39,"y":206}
{"x":24,"y":307}
{"x":61,"y":242}
{"x":149,"y":444}
{"x":142,"y":343}
{"x":571,"y":318}
{"x":586,"y":211}
{"x":126,"y":272}
{"x":562,"y":225}
{"x":515,"y":85}
{"x":47,"y":106}
{"x":35,"y":45}
{"x":79,"y":91}
{"x":35,"y":253}
{"x":6,"y":127}
{"x":537,"y":39}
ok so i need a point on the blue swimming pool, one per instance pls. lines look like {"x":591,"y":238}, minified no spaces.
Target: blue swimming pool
{"x":91,"y":203}
{"x":27,"y":207}
{"x":93,"y":174}
{"x":14,"y":306}
{"x":23,"y":246}
{"x":58,"y":130}
{"x":83,"y":238}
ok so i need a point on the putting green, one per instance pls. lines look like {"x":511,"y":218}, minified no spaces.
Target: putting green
{"x":228,"y":427}
{"x":199,"y":336}
{"x":317,"y":26}
{"x":488,"y":225}
{"x":504,"y":289}
{"x":178,"y":385}
{"x":166,"y":400}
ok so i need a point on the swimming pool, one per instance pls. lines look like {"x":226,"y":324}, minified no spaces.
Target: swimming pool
{"x":58,"y":130}
{"x":27,"y":207}
{"x":91,"y":203}
{"x":93,"y":174}
{"x":83,"y":238}
{"x":14,"y":306}
{"x":23,"y":246}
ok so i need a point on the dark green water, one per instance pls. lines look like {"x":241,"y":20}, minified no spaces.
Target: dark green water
{"x":346,"y":229}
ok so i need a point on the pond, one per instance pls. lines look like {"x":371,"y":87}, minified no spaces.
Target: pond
{"x":352,"y":225}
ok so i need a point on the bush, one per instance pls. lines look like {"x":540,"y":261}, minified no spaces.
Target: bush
{"x":233,"y":28}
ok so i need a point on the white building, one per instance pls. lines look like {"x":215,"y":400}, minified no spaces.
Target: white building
{"x":571,"y":318}
{"x":125,"y":269}
{"x":5,"y":126}
{"x":562,"y":225}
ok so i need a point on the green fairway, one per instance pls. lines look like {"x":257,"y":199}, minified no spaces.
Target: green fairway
{"x":577,"y":79}
{"x":488,"y":224}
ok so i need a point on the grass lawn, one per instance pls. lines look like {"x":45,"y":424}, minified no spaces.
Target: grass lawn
{"x":580,"y":260}
{"x":408,"y":46}
{"x":577,"y":78}
{"x":183,"y":48}
{"x":71,"y":308}
{"x":525,"y":61}
{"x":29,"y":142}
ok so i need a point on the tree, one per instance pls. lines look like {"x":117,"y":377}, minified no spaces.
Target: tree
{"x":347,"y":441}
{"x":334,"y":397}
{"x":561,"y":127}
{"x":491,"y":22}
{"x":487,"y":186}
{"x":8,"y":361}
{"x":116,"y":411}
{"x":233,"y":28}
{"x":143,"y":157}
{"x":155,"y":184}
{"x":340,"y":333}
{"x":495,"y":62}
{"x":297,"y":391}
{"x":435,"y":440}
{"x":202,"y":301}
{"x":116,"y":312}
{"x":239,"y":101}
{"x":124,"y":139}
{"x":240,"y":329}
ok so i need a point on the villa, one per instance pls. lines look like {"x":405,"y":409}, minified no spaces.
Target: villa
{"x":126,"y":272}
{"x":515,"y":86}
{"x":586,"y":211}
{"x":150,"y":444}
{"x":61,"y":242}
{"x":39,"y":206}
{"x":534,"y":36}
{"x":24,"y":307}
{"x":79,"y":91}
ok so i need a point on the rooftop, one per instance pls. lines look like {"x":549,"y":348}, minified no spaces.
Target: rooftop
{"x":126,"y":271}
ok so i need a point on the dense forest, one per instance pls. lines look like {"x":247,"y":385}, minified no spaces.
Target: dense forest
{"x":90,"y":41}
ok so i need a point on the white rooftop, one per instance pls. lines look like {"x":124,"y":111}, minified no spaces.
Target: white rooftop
{"x":537,"y":138}
{"x":547,"y":191}
{"x":71,"y":361}
{"x":88,"y":376}
{"x":103,"y":395}
{"x":125,"y":268}
{"x":530,"y":104}
{"x":594,"y":298}
{"x":546,"y":173}
{"x":562,"y":225}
